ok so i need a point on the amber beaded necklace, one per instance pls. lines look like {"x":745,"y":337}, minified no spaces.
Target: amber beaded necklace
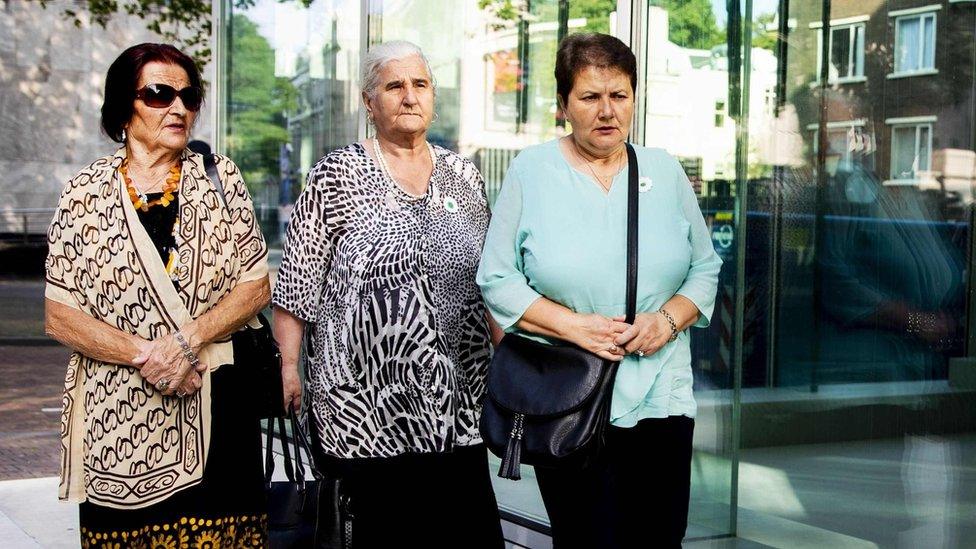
{"x":139,"y":199}
{"x":141,"y":202}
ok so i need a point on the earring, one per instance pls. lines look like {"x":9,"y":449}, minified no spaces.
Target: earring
{"x":369,"y":117}
{"x":123,"y":135}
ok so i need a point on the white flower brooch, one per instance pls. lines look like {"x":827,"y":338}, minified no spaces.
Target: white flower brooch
{"x":644,"y":184}
{"x":450,"y":204}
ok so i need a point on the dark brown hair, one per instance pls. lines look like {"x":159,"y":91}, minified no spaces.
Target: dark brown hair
{"x":123,"y":77}
{"x":591,"y":49}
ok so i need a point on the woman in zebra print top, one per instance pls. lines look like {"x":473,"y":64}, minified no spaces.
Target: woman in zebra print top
{"x":379,"y":267}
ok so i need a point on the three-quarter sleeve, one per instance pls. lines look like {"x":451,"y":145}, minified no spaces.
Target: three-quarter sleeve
{"x":58,"y":265}
{"x":701,"y":282}
{"x":500,"y":275}
{"x":252,"y":249}
{"x":307,"y":252}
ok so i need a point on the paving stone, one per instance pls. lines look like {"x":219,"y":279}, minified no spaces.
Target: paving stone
{"x":31,"y":379}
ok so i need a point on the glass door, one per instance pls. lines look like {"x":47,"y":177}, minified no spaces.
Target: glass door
{"x":690,"y":106}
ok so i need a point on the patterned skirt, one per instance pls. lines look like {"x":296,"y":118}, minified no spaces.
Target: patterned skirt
{"x":228,"y":509}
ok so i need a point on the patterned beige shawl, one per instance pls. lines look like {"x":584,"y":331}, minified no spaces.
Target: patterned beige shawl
{"x":123,"y":444}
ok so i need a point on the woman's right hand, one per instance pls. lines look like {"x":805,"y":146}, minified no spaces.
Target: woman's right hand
{"x":192,"y":382}
{"x":292,"y":387}
{"x":596,"y":333}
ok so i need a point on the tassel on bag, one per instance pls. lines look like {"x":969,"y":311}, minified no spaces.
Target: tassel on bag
{"x":511,"y":462}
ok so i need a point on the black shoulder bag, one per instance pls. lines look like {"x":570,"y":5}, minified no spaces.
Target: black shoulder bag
{"x":549,"y":405}
{"x":255,"y":349}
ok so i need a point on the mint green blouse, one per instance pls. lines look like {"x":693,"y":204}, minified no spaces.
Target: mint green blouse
{"x":554,"y":232}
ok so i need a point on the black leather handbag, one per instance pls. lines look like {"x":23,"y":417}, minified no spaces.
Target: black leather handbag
{"x":257,"y":354}
{"x":255,"y":349}
{"x":549,"y":405}
{"x":292,"y":503}
{"x":302,"y":513}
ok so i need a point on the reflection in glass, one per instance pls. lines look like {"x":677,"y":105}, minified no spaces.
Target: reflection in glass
{"x":857,"y":398}
{"x":858,"y":243}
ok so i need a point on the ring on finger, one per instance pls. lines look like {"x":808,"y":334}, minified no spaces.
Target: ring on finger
{"x":639,"y":352}
{"x":180,"y":394}
{"x":162,"y":384}
{"x":613,"y":348}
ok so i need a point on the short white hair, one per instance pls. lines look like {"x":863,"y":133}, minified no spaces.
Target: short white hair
{"x":381,"y":54}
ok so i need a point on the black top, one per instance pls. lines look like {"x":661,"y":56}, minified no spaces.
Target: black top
{"x":158,"y":221}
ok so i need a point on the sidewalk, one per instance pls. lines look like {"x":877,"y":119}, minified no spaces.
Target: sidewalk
{"x":31,"y":381}
{"x":31,"y":516}
{"x":30,"y":409}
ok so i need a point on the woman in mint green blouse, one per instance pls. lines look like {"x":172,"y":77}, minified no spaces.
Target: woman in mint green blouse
{"x":554,"y":266}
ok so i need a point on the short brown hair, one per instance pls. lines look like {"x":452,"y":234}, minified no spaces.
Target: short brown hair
{"x":591,"y":49}
{"x":123,"y":77}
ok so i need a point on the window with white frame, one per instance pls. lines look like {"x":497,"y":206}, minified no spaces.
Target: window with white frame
{"x":911,"y":150}
{"x":915,"y":43}
{"x":846,"y":52}
{"x":846,"y":141}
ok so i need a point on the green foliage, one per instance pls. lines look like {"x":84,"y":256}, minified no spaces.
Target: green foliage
{"x":764,"y":31}
{"x":503,"y":10}
{"x":258,"y":101}
{"x":691,"y":23}
{"x":185,"y":24}
{"x":596,"y":12}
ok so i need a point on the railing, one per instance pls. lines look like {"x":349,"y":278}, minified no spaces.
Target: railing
{"x":24,"y":225}
{"x":493,"y":164}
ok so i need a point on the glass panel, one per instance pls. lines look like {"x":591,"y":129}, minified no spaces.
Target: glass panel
{"x":858,"y":54}
{"x":903,"y":152}
{"x":908,"y":47}
{"x":857,"y":399}
{"x":840,"y":53}
{"x":495,"y":95}
{"x":690,"y":110}
{"x":928,"y":43}
{"x":924,"y":148}
{"x":292,"y":96}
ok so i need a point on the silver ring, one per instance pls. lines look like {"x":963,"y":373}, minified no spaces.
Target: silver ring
{"x":180,"y":394}
{"x":639,"y":353}
{"x":162,"y":384}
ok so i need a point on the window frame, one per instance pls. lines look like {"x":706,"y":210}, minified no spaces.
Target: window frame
{"x":855,"y":53}
{"x":921,"y":70}
{"x":894,"y":178}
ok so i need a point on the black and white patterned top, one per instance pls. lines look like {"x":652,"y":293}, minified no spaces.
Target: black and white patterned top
{"x":400,"y":343}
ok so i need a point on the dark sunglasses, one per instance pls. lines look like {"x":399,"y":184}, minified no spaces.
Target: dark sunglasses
{"x":160,"y":96}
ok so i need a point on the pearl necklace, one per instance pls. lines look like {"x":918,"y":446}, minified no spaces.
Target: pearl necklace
{"x":385,"y":168}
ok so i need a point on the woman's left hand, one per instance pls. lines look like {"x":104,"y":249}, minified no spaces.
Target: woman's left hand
{"x":164,"y":361}
{"x":648,"y":333}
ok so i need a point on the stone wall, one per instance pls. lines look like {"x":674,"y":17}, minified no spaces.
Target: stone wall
{"x":51,"y":79}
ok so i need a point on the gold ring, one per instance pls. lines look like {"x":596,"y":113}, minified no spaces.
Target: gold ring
{"x":162,"y":384}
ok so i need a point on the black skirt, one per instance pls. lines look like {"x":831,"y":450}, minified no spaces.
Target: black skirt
{"x":227,"y":509}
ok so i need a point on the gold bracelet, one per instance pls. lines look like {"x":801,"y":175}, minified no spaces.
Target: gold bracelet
{"x":674,"y":325}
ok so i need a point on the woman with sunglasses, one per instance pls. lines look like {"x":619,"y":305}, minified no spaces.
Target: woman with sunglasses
{"x":149,"y":272}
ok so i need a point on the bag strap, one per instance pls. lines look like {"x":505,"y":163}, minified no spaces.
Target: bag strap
{"x":210,"y":163}
{"x":294,"y":471}
{"x":632,"y":226}
{"x":269,"y":466}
